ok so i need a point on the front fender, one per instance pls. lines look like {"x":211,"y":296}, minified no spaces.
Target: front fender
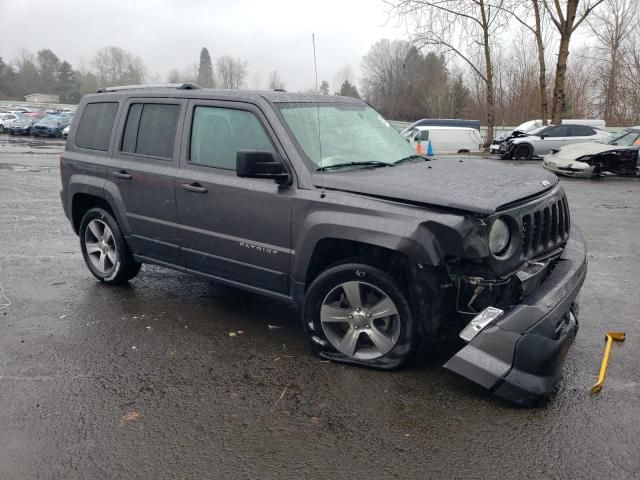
{"x":424,"y":241}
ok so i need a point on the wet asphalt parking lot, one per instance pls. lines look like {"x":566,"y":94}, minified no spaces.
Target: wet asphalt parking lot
{"x":145,"y":381}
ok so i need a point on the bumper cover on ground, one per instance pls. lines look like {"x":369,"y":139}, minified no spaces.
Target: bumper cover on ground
{"x":520,"y":356}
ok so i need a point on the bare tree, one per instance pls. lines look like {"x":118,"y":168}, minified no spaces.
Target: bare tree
{"x":173,"y":76}
{"x":566,"y":18}
{"x":530,"y":15}
{"x":384,"y":74}
{"x":460,"y":27}
{"x":256,"y":81}
{"x":612,"y":28}
{"x":115,"y":66}
{"x":345,"y":73}
{"x":232,"y":71}
{"x":631,"y":70}
{"x":275,"y":82}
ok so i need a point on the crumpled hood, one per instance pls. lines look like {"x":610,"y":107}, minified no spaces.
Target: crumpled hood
{"x":471,"y":185}
{"x":574,"y":151}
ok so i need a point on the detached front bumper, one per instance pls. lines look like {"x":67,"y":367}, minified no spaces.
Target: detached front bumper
{"x":519,"y":357}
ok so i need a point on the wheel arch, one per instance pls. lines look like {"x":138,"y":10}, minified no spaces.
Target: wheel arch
{"x":87,"y":191}
{"x":330,"y":251}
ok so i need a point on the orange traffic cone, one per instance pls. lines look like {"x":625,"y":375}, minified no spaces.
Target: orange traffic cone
{"x":419,"y":148}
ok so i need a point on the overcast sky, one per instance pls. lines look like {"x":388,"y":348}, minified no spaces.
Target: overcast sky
{"x":269,"y":35}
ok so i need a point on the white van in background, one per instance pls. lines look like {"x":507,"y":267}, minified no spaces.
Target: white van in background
{"x":444,"y":139}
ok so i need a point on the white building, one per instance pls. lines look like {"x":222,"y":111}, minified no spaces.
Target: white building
{"x":42,"y":98}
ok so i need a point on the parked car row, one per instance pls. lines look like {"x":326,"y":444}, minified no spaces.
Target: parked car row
{"x":35,"y":123}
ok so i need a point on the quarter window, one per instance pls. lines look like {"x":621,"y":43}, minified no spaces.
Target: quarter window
{"x":151,"y":129}
{"x":218,"y":133}
{"x":95,"y":126}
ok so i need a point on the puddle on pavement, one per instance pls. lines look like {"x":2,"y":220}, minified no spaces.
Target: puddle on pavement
{"x":25,"y":168}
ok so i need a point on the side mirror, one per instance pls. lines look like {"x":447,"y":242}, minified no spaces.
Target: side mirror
{"x":542,"y":136}
{"x":261,"y":164}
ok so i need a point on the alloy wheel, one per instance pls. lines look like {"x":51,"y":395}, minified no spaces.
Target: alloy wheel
{"x":360,"y":320}
{"x":101,"y":246}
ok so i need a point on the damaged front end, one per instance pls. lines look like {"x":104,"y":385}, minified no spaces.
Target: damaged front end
{"x":519,"y":322}
{"x":623,"y":161}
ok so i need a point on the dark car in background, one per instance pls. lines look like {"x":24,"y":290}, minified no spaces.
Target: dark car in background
{"x":50,"y":126}
{"x":23,"y":125}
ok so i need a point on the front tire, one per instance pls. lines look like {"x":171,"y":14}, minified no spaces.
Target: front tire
{"x":522,"y":152}
{"x":104,"y":248}
{"x":356,"y":313}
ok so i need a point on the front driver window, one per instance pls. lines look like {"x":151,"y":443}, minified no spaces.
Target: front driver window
{"x":218,"y":133}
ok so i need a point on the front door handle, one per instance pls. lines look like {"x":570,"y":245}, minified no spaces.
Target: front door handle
{"x":122,"y":174}
{"x":194,"y":187}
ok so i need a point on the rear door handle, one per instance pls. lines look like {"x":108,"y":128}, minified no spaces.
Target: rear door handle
{"x":121,"y":174}
{"x":194,"y":187}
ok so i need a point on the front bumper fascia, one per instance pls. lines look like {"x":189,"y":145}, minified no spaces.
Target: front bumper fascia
{"x":571,"y":169}
{"x":519,"y":357}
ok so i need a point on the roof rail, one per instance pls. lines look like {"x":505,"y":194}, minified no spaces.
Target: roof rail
{"x":179,"y":86}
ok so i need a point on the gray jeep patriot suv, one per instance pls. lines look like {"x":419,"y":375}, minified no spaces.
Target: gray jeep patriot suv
{"x":320,"y":201}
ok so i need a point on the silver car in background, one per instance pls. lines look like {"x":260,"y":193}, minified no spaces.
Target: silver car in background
{"x":542,"y":140}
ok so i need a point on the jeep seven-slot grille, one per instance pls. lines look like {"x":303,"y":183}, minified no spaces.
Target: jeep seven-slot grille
{"x":546,"y":228}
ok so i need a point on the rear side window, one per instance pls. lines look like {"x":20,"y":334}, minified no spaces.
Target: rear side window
{"x":96,"y":124}
{"x":581,"y":131}
{"x":560,"y":131}
{"x":151,"y":129}
{"x":218,"y":133}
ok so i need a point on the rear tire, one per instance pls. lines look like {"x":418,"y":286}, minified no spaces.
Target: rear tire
{"x":356,"y":313}
{"x":104,"y":248}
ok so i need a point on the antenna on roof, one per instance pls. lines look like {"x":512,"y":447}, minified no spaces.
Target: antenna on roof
{"x":315,"y":66}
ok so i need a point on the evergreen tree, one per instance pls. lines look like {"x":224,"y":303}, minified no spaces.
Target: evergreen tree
{"x":7,"y":80}
{"x":48,"y":66}
{"x":349,"y":90}
{"x":459,"y":97}
{"x":67,"y":85}
{"x":324,"y":87}
{"x":205,"y":70}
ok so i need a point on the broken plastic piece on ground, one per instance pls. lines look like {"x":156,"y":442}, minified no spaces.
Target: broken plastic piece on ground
{"x":4,"y":301}
{"x":273,"y":327}
{"x":610,"y":337}
{"x":233,"y":334}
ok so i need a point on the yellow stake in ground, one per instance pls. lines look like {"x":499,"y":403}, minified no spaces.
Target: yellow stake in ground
{"x":611,"y":336}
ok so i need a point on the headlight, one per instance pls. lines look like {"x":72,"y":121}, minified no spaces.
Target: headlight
{"x":499,"y":238}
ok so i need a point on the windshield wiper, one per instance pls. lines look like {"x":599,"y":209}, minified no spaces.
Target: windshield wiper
{"x":410,"y":157}
{"x":373,"y":163}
